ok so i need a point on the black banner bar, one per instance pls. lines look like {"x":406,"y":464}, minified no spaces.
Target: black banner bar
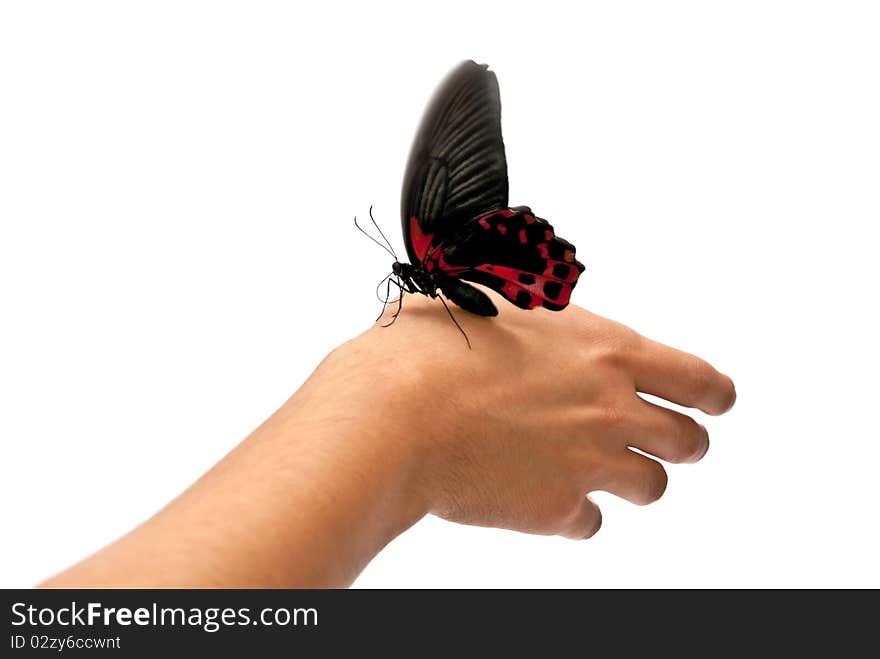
{"x":133,"y":622}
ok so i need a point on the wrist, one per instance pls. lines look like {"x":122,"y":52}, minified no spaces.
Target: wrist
{"x":352,"y":432}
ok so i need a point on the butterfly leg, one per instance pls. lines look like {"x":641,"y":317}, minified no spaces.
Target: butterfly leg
{"x":387,"y":295}
{"x":449,"y":311}
{"x":404,"y":288}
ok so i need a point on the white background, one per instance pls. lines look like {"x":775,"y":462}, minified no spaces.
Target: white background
{"x":177,"y":182}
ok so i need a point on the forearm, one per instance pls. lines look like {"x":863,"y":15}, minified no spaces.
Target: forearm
{"x":307,"y":500}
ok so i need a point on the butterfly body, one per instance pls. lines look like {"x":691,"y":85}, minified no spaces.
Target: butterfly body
{"x":457,"y":224}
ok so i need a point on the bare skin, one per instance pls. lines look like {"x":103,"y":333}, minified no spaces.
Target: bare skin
{"x":544,"y":411}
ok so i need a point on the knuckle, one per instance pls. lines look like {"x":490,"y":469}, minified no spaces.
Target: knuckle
{"x":609,"y":356}
{"x":617,"y":347}
{"x":613,"y":418}
{"x":626,"y":338}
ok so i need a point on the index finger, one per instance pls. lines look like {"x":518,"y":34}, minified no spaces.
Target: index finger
{"x":681,"y":378}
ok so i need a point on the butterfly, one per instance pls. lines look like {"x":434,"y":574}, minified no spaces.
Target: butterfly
{"x":457,"y":224}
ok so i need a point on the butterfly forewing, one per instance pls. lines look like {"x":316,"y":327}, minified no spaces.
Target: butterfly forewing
{"x":457,"y":168}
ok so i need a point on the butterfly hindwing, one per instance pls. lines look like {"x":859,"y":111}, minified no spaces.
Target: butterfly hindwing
{"x":516,"y":254}
{"x":457,"y":168}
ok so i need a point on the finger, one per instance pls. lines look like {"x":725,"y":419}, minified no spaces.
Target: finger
{"x":681,"y":378}
{"x":636,"y":478}
{"x":585,"y":522}
{"x":667,"y":434}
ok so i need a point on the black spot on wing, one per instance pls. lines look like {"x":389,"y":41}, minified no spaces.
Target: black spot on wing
{"x":561,"y":271}
{"x":524,"y":247}
{"x":552,"y":289}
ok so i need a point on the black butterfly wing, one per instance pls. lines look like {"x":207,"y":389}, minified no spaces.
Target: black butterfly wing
{"x":514,"y":253}
{"x":457,"y":170}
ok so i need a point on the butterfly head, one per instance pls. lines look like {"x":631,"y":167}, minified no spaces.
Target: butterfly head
{"x":414,"y":279}
{"x":408,"y":274}
{"x":407,"y":271}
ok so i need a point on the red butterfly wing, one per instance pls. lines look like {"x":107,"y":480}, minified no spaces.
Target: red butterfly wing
{"x":514,"y":253}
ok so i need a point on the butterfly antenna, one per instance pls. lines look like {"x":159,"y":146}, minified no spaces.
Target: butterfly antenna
{"x":360,"y":228}
{"x":388,"y":242}
{"x":463,"y":333}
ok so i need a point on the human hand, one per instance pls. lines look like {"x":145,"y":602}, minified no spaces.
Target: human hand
{"x":405,"y":420}
{"x":516,"y":432}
